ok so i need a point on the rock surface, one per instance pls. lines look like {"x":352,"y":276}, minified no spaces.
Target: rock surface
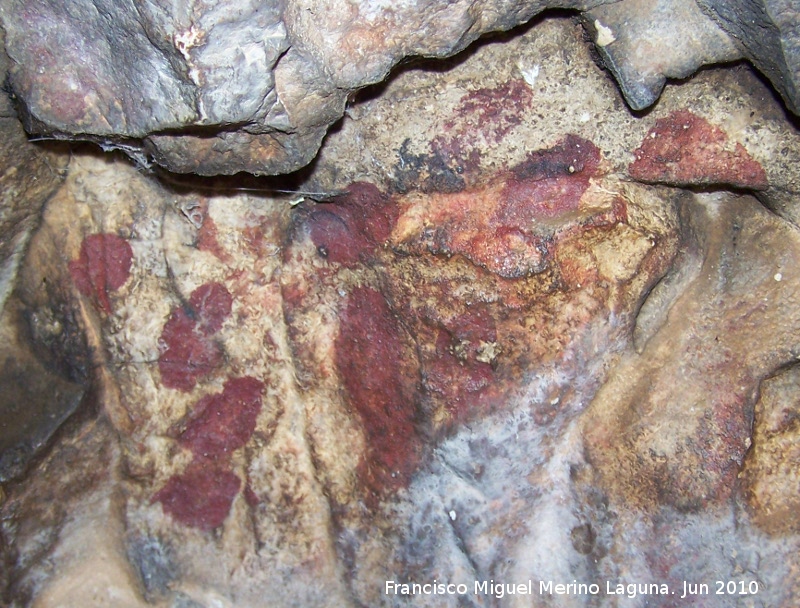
{"x":33,"y":391}
{"x":523,"y":334}
{"x":201,"y":88}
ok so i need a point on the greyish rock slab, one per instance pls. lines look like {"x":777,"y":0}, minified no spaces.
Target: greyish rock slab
{"x":217,"y":87}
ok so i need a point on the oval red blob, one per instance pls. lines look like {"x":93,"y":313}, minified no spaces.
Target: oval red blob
{"x":224,"y":422}
{"x":201,"y":496}
{"x":104,"y":265}
{"x":189,"y":352}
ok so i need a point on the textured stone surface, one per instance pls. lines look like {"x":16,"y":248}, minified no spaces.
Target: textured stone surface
{"x":771,"y":469}
{"x":645,"y":42}
{"x":205,"y":88}
{"x":34,"y":398}
{"x":523,"y":334}
{"x":767,"y":32}
{"x":687,"y":452}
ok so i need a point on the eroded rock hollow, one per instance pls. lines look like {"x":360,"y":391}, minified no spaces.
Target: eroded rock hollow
{"x":504,"y":335}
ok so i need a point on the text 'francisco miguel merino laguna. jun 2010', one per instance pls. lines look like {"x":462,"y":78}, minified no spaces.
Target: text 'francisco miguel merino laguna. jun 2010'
{"x":682,"y":590}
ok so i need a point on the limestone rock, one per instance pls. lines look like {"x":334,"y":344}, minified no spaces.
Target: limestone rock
{"x":692,"y":458}
{"x":516,"y":333}
{"x":767,"y":32}
{"x":645,"y":42}
{"x":34,"y":399}
{"x":772,"y":467}
{"x":208,"y":89}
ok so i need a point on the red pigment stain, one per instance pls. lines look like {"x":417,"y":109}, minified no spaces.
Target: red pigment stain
{"x":211,"y":304}
{"x":686,"y":149}
{"x":509,"y":226}
{"x":495,"y":110}
{"x":368,"y":356}
{"x":483,"y":116}
{"x":201,"y":496}
{"x":190,"y":352}
{"x":104,"y":264}
{"x":549,"y":182}
{"x":207,"y":240}
{"x":455,"y":374}
{"x":726,"y":426}
{"x":350,"y":229}
{"x":256,"y":240}
{"x":224,"y":422}
{"x":251,"y":497}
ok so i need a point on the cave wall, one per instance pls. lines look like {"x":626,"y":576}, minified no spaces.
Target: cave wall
{"x":502,"y":329}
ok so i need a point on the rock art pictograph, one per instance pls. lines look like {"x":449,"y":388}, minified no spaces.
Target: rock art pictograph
{"x":504,"y":329}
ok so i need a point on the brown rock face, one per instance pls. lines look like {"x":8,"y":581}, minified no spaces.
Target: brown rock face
{"x":655,"y":446}
{"x":771,"y":469}
{"x":503,"y":330}
{"x":211,"y":89}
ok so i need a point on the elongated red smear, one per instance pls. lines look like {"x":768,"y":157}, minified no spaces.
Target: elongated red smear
{"x":368,"y":355}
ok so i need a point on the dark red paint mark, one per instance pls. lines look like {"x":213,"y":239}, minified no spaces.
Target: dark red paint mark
{"x":685,"y":149}
{"x":201,"y":496}
{"x":224,"y":422}
{"x":494,"y":110}
{"x":190,"y":353}
{"x":250,"y":496}
{"x":349,"y":229}
{"x":550,"y":182}
{"x":459,"y":371}
{"x":508,"y":226}
{"x":369,"y":358}
{"x":104,"y":265}
{"x":336,"y":237}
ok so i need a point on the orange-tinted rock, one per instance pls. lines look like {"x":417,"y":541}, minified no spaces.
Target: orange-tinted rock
{"x":673,"y":424}
{"x":510,"y":225}
{"x":771,"y":474}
